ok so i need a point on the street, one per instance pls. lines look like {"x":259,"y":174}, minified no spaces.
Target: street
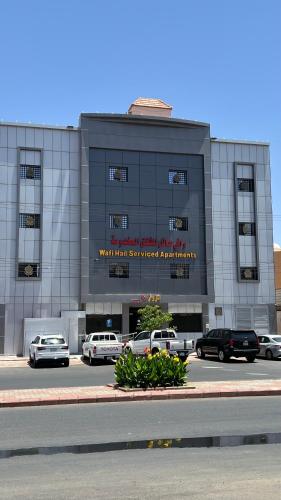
{"x":107,"y":422}
{"x":79,"y":375}
{"x":223,"y":473}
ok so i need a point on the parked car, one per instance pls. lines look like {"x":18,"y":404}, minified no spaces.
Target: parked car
{"x":101,"y":345}
{"x":270,"y":346}
{"x":160,"y":339}
{"x":48,"y":347}
{"x":225,"y":343}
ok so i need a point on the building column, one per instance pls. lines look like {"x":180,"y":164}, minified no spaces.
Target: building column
{"x":125,"y":319}
{"x":205,"y":317}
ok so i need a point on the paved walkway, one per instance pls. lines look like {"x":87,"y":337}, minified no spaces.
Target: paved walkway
{"x":106,"y":394}
{"x":19,"y":362}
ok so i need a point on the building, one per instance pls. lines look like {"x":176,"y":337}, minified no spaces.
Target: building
{"x":130,"y":209}
{"x":277,"y":272}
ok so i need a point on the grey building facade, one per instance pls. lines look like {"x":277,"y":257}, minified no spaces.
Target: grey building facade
{"x":126,"y":210}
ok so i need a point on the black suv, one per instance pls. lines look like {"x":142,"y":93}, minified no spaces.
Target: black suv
{"x":225,"y":343}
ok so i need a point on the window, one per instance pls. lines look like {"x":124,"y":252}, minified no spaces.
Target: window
{"x":30,"y":172}
{"x":52,"y":341}
{"x":28,"y":270}
{"x":119,"y":174}
{"x":248,"y":273}
{"x":177,"y":177}
{"x":266,"y":340}
{"x":179,"y":271}
{"x":245,"y":185}
{"x":178,"y":223}
{"x":29,"y":221}
{"x":247,"y":229}
{"x":119,"y":270}
{"x":167,"y":335}
{"x":118,"y":221}
{"x":143,"y":336}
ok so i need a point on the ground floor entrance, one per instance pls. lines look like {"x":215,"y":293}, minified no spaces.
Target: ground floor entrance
{"x":128,"y":321}
{"x":104,"y":322}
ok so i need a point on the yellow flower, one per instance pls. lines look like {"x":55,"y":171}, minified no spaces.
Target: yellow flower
{"x":150,"y":444}
{"x":149,"y":356}
{"x":186,"y":362}
{"x":176,"y":359}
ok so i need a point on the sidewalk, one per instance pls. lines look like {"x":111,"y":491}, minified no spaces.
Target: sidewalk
{"x":107,"y":394}
{"x":20,"y":361}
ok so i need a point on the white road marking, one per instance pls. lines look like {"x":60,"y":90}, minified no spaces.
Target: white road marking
{"x":215,"y":367}
{"x":255,"y":373}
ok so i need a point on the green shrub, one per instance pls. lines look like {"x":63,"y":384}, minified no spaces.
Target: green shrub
{"x":158,"y":370}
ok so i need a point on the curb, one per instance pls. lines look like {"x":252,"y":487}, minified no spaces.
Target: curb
{"x":106,"y":395}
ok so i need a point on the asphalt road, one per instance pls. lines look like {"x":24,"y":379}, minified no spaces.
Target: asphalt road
{"x":103,"y":373}
{"x":107,"y":422}
{"x":249,"y":472}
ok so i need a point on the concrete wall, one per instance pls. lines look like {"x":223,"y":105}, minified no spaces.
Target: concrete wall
{"x":257,"y":298}
{"x":59,"y":285}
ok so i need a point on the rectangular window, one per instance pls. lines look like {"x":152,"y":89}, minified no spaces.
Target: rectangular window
{"x":177,"y":177}
{"x":118,"y":221}
{"x":30,"y":221}
{"x":28,"y":270}
{"x":179,"y":271}
{"x":178,"y":223}
{"x":247,"y":229}
{"x":248,"y":273}
{"x":30,"y":172}
{"x":119,"y":270}
{"x":119,"y":174}
{"x":245,"y":185}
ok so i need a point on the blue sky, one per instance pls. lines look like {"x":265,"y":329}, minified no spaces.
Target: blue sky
{"x":214,"y":60}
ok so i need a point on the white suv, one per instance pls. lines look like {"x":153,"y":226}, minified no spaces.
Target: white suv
{"x":48,"y":347}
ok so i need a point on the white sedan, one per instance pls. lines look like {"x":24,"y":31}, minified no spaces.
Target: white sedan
{"x":48,"y":347}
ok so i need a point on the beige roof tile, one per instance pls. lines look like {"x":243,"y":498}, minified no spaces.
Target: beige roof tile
{"x":151,"y":103}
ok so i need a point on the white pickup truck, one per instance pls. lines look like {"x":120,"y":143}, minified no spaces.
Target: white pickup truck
{"x":101,"y":345}
{"x":160,"y":339}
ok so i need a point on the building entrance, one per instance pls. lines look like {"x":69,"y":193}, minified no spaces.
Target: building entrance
{"x":133,"y":319}
{"x":104,"y":322}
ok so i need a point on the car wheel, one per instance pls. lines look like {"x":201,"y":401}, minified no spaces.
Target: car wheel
{"x":269,"y":354}
{"x":91,"y":361}
{"x":35,"y":362}
{"x":222,"y":356}
{"x":251,"y":358}
{"x":66,"y":362}
{"x":200,"y":353}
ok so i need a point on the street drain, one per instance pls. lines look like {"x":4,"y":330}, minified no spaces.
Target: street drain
{"x":193,"y":442}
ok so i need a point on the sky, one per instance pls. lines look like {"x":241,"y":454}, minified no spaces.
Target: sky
{"x":216,"y":61}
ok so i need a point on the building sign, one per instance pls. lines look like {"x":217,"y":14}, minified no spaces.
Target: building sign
{"x":103,"y":252}
{"x":150,"y":298}
{"x":149,"y":242}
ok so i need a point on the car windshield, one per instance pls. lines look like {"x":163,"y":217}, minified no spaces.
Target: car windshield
{"x":277,"y":338}
{"x":242,"y":334}
{"x":53,"y":341}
